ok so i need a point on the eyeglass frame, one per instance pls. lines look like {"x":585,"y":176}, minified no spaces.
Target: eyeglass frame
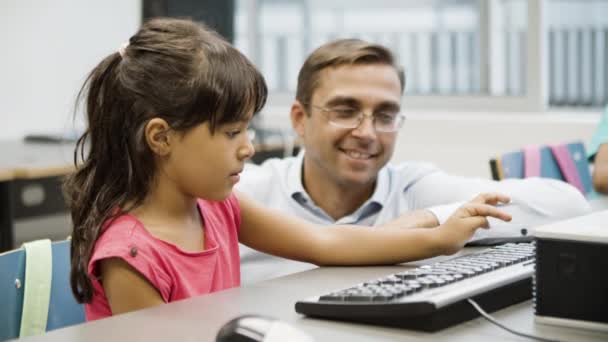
{"x":361,"y":115}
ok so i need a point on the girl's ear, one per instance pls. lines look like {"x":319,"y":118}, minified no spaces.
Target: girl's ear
{"x":158,"y":137}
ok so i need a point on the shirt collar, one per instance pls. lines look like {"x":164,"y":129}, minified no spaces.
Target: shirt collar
{"x":382,"y":190}
{"x":294,"y":177}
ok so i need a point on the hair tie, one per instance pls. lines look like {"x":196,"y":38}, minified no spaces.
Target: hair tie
{"x":122,"y":49}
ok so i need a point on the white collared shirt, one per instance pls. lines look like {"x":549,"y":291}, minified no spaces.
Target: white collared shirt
{"x":277,"y":183}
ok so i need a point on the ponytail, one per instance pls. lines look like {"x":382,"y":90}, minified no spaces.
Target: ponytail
{"x":98,"y":190}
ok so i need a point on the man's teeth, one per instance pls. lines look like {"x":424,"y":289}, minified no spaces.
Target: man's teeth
{"x":358,"y":155}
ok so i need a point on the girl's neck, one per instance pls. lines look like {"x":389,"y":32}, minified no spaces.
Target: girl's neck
{"x":166,"y":204}
{"x":172,"y":216}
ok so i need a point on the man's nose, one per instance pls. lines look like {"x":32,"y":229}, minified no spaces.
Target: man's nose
{"x":366,"y":129}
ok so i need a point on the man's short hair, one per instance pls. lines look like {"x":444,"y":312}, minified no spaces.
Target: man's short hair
{"x":337,"y":53}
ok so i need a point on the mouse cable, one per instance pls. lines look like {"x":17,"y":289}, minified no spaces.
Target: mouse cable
{"x":494,"y":321}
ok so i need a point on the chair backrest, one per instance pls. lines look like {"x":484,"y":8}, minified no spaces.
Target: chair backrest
{"x":566,"y":162}
{"x":63,"y":310}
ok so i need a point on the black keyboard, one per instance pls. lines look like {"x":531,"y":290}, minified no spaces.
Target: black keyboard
{"x":434,"y":297}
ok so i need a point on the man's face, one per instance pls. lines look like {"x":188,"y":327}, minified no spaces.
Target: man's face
{"x":348,"y":156}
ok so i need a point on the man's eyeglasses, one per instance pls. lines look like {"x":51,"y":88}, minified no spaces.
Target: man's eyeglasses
{"x":350,"y":118}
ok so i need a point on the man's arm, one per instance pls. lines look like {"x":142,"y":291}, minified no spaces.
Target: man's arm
{"x":600,"y":170}
{"x":534,"y":201}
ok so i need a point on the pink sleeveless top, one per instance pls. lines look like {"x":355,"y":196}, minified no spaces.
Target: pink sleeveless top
{"x":175,"y":273}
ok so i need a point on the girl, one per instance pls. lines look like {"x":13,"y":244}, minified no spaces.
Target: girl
{"x":155,"y":219}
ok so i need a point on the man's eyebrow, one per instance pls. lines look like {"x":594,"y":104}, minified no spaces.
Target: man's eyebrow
{"x":343,"y":100}
{"x":353,"y":102}
{"x":392,"y":106}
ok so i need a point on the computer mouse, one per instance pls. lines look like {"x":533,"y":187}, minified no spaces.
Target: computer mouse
{"x":260,"y":328}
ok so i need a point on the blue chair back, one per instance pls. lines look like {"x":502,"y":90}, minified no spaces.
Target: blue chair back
{"x":63,"y":308}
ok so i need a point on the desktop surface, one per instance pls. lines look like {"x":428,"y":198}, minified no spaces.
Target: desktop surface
{"x":33,"y":160}
{"x":199,"y":319}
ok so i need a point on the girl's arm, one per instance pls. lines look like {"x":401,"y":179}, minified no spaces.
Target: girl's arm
{"x":418,"y":218}
{"x":126,"y":289}
{"x":275,"y":233}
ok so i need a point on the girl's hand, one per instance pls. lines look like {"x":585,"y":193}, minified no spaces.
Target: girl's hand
{"x":463,"y":223}
{"x":421,"y":218}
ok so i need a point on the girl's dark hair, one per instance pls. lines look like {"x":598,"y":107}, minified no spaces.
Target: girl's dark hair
{"x":173,"y":69}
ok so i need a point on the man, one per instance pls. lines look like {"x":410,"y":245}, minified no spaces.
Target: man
{"x":347,"y":114}
{"x":598,"y":154}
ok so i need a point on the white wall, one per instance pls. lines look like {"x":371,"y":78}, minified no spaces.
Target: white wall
{"x":462,"y":143}
{"x":47,"y":49}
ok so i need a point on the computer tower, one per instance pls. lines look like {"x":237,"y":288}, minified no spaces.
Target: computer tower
{"x":571,"y":278}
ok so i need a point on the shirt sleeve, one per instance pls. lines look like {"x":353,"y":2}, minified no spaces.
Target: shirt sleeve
{"x":534,"y":201}
{"x":137,"y":252}
{"x":600,"y":137}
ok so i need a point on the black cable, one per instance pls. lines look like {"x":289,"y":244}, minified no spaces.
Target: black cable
{"x":494,"y":321}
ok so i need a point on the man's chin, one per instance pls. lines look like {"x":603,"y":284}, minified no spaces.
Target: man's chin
{"x":357,"y":180}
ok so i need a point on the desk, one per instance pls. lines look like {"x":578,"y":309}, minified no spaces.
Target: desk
{"x":30,"y":183}
{"x":199,"y":319}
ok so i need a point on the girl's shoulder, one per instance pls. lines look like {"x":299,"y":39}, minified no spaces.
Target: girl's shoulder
{"x":121,"y":227}
{"x":120,"y":235}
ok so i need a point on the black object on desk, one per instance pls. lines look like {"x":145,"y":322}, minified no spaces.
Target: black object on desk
{"x":571,"y":283}
{"x":30,"y":168}
{"x":433,"y":297}
{"x":50,"y":138}
{"x":496,"y":241}
{"x":14,"y":208}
